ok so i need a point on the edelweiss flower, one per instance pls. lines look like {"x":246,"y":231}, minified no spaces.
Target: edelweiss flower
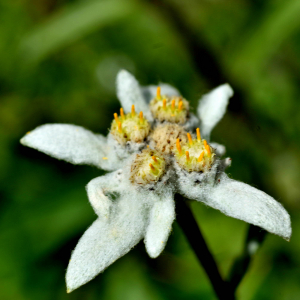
{"x":154,"y":154}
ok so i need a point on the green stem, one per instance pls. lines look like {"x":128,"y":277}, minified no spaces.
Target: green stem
{"x":188,"y":224}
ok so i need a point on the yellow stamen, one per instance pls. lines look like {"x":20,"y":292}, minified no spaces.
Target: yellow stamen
{"x":190,"y":139}
{"x":151,"y":166}
{"x":164,"y":103}
{"x":207,"y":148}
{"x":201,"y":156}
{"x":122,"y":112}
{"x":154,"y":158}
{"x":158,"y":95}
{"x":116,"y":117}
{"x":173,"y":104}
{"x":187,"y":154}
{"x":178,"y":146}
{"x":141,"y":116}
{"x":132,"y":110}
{"x":105,"y":158}
{"x":120,"y":127}
{"x":198,"y":134}
{"x":180,"y":105}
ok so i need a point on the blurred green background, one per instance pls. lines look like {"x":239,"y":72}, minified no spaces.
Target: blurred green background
{"x":58,"y":62}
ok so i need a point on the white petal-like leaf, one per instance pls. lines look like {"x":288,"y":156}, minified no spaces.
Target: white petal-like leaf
{"x":104,"y":242}
{"x":103,"y":190}
{"x":129,"y":93}
{"x":212,"y":107}
{"x":71,"y":143}
{"x":244,"y":202}
{"x":162,"y":215}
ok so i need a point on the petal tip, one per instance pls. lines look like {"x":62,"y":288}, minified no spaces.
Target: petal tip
{"x":229,"y":89}
{"x":153,"y":253}
{"x":23,"y":140}
{"x":123,"y":74}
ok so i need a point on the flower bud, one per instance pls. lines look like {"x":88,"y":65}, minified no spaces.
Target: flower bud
{"x":148,"y":167}
{"x":165,"y":136}
{"x":130,"y":127}
{"x":195,"y":155}
{"x":170,"y":109}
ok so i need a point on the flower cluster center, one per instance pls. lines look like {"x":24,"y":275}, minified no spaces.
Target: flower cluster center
{"x":130,"y":127}
{"x":169,"y":109}
{"x":148,"y":167}
{"x":168,"y":137}
{"x":195,"y":155}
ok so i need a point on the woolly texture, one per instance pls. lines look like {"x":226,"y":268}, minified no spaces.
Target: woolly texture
{"x":104,"y":242}
{"x":243,"y":202}
{"x":100,"y":195}
{"x":212,"y":108}
{"x":162,"y":216}
{"x":124,"y":214}
{"x":129,"y":93}
{"x":73,"y":144}
{"x":68,"y":142}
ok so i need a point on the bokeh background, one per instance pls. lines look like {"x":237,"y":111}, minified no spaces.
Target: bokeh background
{"x":58,"y":62}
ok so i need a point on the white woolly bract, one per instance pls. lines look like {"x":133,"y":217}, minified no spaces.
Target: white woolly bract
{"x":242,"y":201}
{"x":72,"y":143}
{"x":127,"y":214}
{"x":212,"y":107}
{"x":162,"y":216}
{"x":102,"y":190}
{"x":106,"y":241}
{"x":129,"y":93}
